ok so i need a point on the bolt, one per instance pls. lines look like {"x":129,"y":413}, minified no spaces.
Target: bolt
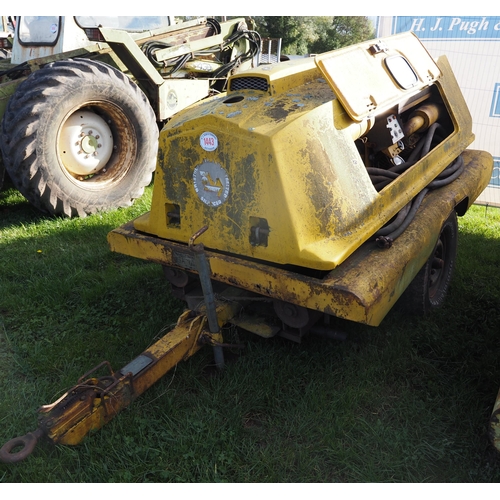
{"x":97,"y":136}
{"x":86,"y":156}
{"x":82,"y":134}
{"x":99,"y":145}
{"x":95,"y":153}
{"x":90,"y":132}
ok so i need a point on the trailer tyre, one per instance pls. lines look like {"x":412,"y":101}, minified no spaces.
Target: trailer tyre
{"x":430,"y":286}
{"x":2,"y":172}
{"x":78,"y":136}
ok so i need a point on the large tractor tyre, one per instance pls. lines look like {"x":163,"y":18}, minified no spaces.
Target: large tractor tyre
{"x":430,"y":286}
{"x":78,"y":137}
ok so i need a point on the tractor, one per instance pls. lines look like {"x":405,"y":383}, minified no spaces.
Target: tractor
{"x":82,"y":100}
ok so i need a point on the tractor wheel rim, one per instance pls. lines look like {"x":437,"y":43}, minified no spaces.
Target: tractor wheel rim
{"x":85,"y":144}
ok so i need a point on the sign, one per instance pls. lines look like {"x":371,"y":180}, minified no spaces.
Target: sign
{"x":449,"y":27}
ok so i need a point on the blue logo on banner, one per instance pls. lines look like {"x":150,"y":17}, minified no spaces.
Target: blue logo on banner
{"x":495,"y":176}
{"x":495,"y":102}
{"x":449,"y":27}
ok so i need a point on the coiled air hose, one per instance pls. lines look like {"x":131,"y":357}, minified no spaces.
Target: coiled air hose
{"x":381,"y":177}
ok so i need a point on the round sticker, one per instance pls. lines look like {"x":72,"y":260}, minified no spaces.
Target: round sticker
{"x":172,"y":99}
{"x":208,"y":141}
{"x":211,"y":183}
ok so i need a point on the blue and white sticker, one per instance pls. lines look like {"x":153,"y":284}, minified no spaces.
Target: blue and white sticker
{"x":209,"y":141}
{"x":211,"y":183}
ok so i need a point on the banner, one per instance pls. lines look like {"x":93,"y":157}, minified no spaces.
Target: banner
{"x":449,"y":27}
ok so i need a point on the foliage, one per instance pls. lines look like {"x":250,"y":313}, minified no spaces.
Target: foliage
{"x":293,"y":31}
{"x":303,"y":35}
{"x":341,"y":32}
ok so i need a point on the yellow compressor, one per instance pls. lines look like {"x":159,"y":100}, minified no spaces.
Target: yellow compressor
{"x":306,"y":173}
{"x":325,"y":186}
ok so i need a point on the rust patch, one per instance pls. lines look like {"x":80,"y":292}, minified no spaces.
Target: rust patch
{"x":277,"y":112}
{"x":177,"y":167}
{"x":241,"y":197}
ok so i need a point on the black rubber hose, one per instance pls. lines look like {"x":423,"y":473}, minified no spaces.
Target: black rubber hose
{"x":400,"y":218}
{"x":381,"y":178}
{"x":13,"y":71}
{"x":460,"y":166}
{"x":385,"y":241}
{"x":382,"y":172}
{"x":428,"y":138}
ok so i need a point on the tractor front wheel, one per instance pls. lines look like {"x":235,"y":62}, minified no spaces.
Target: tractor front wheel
{"x":78,"y":136}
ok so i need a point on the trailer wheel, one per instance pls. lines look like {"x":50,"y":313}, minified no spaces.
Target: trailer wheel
{"x":79,"y":136}
{"x":2,"y":172}
{"x":430,"y":286}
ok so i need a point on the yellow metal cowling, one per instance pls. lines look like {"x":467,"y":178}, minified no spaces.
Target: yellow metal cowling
{"x":265,"y":183}
{"x":277,"y":169}
{"x":285,"y":162}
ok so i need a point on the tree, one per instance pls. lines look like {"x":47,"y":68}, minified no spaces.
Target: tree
{"x":289,"y":28}
{"x":315,"y":34}
{"x":342,"y":31}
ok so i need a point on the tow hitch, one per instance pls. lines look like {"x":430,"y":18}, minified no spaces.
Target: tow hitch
{"x":94,"y":401}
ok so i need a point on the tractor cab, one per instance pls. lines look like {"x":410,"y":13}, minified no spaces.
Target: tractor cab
{"x":42,"y":36}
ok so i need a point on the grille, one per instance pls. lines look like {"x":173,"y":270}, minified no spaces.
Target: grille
{"x":249,"y":83}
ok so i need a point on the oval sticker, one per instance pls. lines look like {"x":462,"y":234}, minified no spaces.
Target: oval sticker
{"x":208,"y":141}
{"x":172,"y":99}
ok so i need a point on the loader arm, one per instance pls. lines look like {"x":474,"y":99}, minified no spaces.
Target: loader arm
{"x":168,"y":95}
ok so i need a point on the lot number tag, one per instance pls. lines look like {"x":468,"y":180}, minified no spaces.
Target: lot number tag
{"x":208,"y":141}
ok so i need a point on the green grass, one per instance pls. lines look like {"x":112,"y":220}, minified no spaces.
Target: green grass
{"x":406,"y":402}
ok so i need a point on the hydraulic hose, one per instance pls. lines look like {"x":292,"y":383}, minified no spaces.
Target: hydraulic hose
{"x":253,"y":38}
{"x":16,"y":71}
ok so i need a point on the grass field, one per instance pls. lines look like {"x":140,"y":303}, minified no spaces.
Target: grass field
{"x":406,"y":402}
